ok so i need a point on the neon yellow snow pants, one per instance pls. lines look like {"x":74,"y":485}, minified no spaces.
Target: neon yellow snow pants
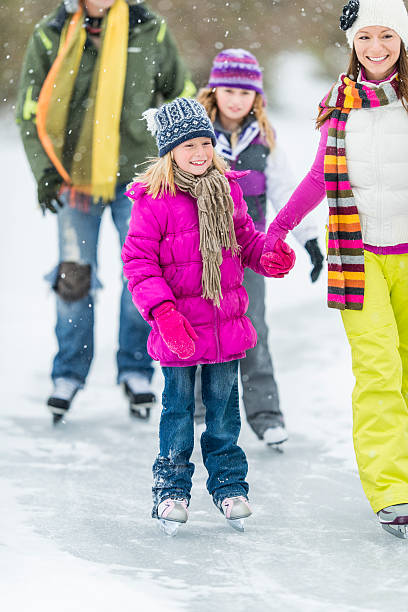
{"x":378,"y":337}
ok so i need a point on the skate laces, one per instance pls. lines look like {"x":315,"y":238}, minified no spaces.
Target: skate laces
{"x":167,"y":505}
{"x":227,"y":504}
{"x":64,"y":388}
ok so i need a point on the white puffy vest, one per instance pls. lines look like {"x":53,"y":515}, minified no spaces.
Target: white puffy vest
{"x":377,"y":160}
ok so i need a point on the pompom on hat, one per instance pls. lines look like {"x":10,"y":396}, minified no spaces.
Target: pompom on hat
{"x":358,"y":14}
{"x":236,"y":68}
{"x":178,"y":121}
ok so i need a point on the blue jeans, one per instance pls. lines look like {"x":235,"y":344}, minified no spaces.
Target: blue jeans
{"x":78,"y":233}
{"x":224,"y":460}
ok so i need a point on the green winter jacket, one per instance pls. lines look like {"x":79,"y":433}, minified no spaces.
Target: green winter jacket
{"x":155,"y":72}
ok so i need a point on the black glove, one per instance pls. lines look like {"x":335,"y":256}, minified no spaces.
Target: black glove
{"x":316,"y":257}
{"x":48,"y":189}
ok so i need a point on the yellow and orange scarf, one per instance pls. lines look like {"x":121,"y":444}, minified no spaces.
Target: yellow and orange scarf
{"x":96,"y":159}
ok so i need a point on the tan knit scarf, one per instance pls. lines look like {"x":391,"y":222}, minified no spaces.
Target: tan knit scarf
{"x":215,"y":217}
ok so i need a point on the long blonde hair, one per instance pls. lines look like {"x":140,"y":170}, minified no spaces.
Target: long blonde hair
{"x":159,"y":177}
{"x":206,"y":96}
{"x":353,"y":71}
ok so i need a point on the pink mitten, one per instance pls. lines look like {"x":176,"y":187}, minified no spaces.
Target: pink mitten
{"x":280,"y":261}
{"x":175,"y":330}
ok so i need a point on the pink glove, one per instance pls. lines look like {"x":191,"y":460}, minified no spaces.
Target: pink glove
{"x":175,"y":330}
{"x":280,"y":260}
{"x":272,"y":237}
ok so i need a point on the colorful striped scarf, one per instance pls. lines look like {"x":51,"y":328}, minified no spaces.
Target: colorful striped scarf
{"x":345,"y":248}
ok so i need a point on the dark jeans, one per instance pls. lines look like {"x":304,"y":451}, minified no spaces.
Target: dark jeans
{"x":78,"y":242}
{"x":224,"y":460}
{"x":260,"y":391}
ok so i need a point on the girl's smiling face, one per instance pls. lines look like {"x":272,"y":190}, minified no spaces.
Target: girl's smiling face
{"x":195,"y":155}
{"x":378,"y":49}
{"x":234,"y":104}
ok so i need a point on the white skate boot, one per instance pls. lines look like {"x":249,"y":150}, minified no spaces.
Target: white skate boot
{"x":275,"y":437}
{"x":141,"y":397}
{"x":235,"y":510}
{"x":172,"y":513}
{"x":61,"y":397}
{"x":394,"y":519}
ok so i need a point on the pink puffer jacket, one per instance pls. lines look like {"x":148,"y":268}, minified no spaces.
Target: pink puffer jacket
{"x":163,"y":263}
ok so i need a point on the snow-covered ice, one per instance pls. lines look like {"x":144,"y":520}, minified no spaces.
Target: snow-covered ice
{"x":75,"y":526}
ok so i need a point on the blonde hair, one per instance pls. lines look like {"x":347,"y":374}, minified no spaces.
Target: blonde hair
{"x":206,"y":96}
{"x":353,"y":71}
{"x":159,"y":176}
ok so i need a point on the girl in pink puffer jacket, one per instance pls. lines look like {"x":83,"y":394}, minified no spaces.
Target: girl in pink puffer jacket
{"x":189,"y":240}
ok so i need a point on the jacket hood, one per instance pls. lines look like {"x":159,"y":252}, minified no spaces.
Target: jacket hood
{"x":135,"y":190}
{"x":236,"y":174}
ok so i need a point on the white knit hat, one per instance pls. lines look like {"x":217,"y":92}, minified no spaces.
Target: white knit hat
{"x":388,"y":13}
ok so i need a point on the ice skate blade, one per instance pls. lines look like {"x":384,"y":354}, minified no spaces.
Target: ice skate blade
{"x":57,"y":419}
{"x":236,"y":524}
{"x":277,"y":448}
{"x":170,"y":528}
{"x":140,"y":412}
{"x":400,"y":531}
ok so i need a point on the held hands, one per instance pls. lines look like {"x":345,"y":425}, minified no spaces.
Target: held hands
{"x":48,"y":190}
{"x":175,"y":330}
{"x":316,"y":257}
{"x":279,"y":261}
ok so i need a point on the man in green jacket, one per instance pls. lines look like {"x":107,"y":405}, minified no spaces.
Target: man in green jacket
{"x":91,"y":68}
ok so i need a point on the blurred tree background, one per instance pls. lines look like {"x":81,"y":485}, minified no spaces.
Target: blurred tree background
{"x":202,"y":28}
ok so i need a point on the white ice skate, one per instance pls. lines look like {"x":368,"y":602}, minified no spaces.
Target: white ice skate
{"x":235,"y":510}
{"x":394,"y":519}
{"x":172,"y":513}
{"x":138,"y":390}
{"x":61,"y":397}
{"x":274,"y":437}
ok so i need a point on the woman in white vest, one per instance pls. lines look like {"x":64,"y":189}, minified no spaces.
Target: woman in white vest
{"x":362,"y":167}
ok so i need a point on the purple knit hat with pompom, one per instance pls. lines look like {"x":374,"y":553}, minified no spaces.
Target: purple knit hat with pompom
{"x":236,"y":68}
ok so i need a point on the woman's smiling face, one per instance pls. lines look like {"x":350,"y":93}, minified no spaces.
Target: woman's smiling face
{"x":378,"y":49}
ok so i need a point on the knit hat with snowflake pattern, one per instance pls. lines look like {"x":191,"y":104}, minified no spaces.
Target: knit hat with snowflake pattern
{"x":178,"y":121}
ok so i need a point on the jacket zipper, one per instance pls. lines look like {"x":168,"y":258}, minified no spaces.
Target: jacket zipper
{"x":216,"y":330}
{"x":378,"y":173}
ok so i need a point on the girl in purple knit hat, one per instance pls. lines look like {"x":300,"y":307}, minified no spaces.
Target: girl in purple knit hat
{"x":189,"y":240}
{"x":235,"y":102}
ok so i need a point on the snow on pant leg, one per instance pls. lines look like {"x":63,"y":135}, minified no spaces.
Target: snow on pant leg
{"x":78,"y":235}
{"x":380,"y":415}
{"x":398,"y":265}
{"x":224,"y":460}
{"x":172,"y":470}
{"x":260,"y":391}
{"x":132,"y":355}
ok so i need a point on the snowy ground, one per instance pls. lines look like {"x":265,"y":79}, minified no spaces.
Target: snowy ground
{"x":75,"y":532}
